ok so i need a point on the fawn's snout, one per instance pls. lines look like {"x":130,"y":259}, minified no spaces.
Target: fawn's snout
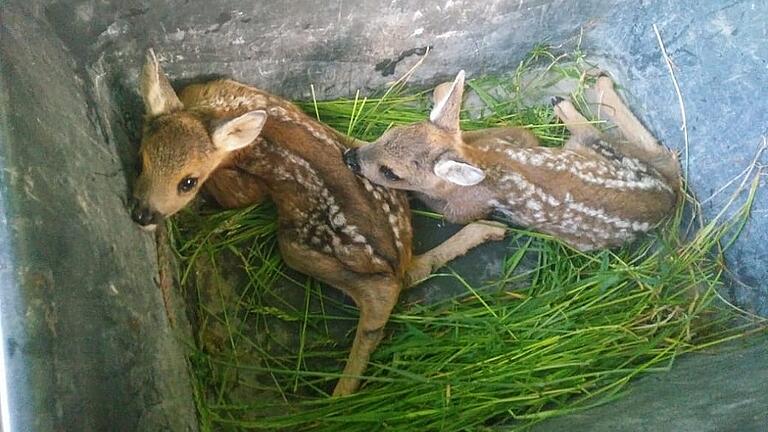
{"x":181,"y":148}
{"x":143,"y":215}
{"x":352,"y":159}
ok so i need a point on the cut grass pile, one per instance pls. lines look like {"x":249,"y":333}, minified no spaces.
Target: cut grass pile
{"x":557,"y":331}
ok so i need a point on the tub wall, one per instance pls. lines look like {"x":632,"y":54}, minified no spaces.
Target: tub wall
{"x":87,"y":339}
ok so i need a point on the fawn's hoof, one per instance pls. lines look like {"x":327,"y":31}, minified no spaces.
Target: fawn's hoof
{"x":604,"y":81}
{"x":556,"y":100}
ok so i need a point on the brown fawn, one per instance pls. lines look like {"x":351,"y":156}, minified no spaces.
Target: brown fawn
{"x":245,"y":145}
{"x":591,"y":193}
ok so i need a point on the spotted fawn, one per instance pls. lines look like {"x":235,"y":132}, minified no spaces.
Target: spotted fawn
{"x":244,"y":145}
{"x":592,"y":193}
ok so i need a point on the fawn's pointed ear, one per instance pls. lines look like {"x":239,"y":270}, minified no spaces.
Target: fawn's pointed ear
{"x":458,"y":172}
{"x":441,"y":92}
{"x":447,"y":99}
{"x":158,"y":95}
{"x":239,"y":132}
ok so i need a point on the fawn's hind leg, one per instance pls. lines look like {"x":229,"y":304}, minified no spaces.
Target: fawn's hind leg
{"x":618,"y":113}
{"x":576,"y":123}
{"x":375,"y":299}
{"x":375,"y":293}
{"x":641,"y":144}
{"x":584,"y":136}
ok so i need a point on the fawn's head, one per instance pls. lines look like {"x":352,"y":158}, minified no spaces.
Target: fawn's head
{"x":180,"y":148}
{"x":422,"y":157}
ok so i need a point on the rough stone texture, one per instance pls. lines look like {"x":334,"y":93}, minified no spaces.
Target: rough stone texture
{"x":72,"y":118}
{"x":721,"y":61}
{"x":87,"y":340}
{"x":341,"y":47}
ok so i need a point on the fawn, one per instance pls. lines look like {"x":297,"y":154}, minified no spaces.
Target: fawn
{"x":591,"y":193}
{"x":245,"y":145}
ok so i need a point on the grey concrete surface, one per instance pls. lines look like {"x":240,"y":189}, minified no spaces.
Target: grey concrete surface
{"x":88,"y":345}
{"x":71,"y":120}
{"x":719,"y":51}
{"x":707,"y":392}
{"x":721,"y":58}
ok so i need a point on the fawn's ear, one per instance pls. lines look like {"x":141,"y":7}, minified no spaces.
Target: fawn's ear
{"x":159,"y":97}
{"x":445,"y":114}
{"x":441,"y":92}
{"x":239,"y":132}
{"x":457,"y":171}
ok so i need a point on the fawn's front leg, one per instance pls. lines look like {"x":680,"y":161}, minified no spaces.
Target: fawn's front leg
{"x":457,"y":245}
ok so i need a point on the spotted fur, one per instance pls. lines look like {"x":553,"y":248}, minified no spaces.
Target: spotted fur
{"x":591,"y":193}
{"x":244,"y":145}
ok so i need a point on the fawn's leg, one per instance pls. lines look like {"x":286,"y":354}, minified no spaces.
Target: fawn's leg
{"x":583,"y":134}
{"x":641,"y":143}
{"x":457,"y":245}
{"x":576,"y":123}
{"x":375,"y":299}
{"x":618,"y":113}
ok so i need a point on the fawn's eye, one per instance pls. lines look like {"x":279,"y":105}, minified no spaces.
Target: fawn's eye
{"x":187,"y":184}
{"x":388,"y":174}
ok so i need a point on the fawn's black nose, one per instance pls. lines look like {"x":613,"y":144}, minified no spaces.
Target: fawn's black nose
{"x":143,"y":216}
{"x":352,"y":160}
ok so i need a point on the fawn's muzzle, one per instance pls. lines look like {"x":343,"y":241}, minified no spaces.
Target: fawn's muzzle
{"x":143,"y":215}
{"x":352,"y":160}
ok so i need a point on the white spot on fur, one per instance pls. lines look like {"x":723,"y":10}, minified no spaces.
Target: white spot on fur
{"x":338,"y":220}
{"x":621,"y":174}
{"x":533,"y":205}
{"x":392,"y":220}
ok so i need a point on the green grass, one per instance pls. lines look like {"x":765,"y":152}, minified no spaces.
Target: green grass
{"x":558,"y":331}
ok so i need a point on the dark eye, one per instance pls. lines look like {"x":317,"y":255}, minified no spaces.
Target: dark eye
{"x":187,"y":184}
{"x":388,"y":174}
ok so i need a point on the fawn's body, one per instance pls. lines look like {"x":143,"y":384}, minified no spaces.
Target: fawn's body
{"x":245,"y":145}
{"x":591,"y":193}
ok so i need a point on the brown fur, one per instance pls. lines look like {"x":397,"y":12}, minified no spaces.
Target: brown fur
{"x":332,"y":224}
{"x":591,"y":193}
